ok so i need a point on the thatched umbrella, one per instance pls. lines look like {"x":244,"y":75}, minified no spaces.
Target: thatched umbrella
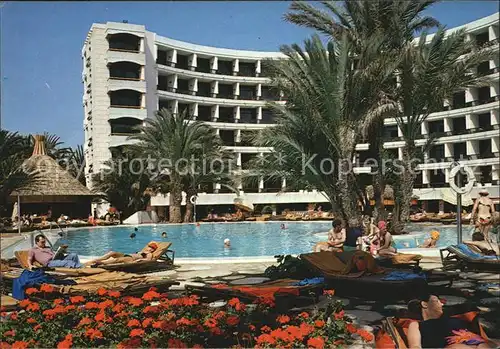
{"x":52,"y":183}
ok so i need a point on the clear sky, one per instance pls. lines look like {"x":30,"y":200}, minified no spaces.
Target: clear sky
{"x":41,"y":46}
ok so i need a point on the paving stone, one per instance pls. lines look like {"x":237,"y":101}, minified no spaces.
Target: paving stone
{"x":363,"y":307}
{"x":462,"y":284}
{"x":439,"y":283}
{"x":395,"y":307}
{"x":250,"y":281}
{"x":453,"y":300}
{"x":364,"y":317}
{"x":490,"y":301}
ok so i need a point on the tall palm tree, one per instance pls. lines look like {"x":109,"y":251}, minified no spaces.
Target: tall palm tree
{"x":332,"y":97}
{"x":124,"y":184}
{"x":177,"y":146}
{"x":12,"y":175}
{"x":429,"y":73}
{"x":396,"y":22}
{"x":76,"y":163}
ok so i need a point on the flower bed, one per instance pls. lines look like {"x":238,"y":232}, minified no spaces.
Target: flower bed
{"x":109,"y":320}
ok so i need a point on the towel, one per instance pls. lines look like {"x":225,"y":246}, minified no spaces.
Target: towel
{"x":31,"y":278}
{"x":472,"y":254}
{"x":402,"y":275}
{"x":313,"y":281}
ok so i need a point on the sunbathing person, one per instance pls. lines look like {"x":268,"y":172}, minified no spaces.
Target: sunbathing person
{"x":432,"y":241}
{"x":485,"y":209}
{"x":117,"y":257}
{"x":336,"y":236}
{"x":46,"y":257}
{"x":382,"y":242}
{"x":439,"y":331}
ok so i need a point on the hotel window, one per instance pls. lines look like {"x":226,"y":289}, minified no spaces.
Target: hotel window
{"x":204,"y":113}
{"x":248,"y":116}
{"x":459,"y":151}
{"x":267,"y":117}
{"x":226,"y":115}
{"x":203,"y":65}
{"x":247,"y":92}
{"x":224,"y":67}
{"x":246,"y":69}
{"x":459,"y":126}
{"x":436,"y":128}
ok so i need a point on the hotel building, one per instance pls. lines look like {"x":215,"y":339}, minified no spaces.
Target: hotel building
{"x":129,"y":73}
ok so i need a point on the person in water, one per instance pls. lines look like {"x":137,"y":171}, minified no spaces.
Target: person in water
{"x":227,"y":243}
{"x":432,"y":241}
{"x":482,"y":213}
{"x":164,"y":235}
{"x":283,"y":226}
{"x":382,"y":242}
{"x":133,"y":235}
{"x":116,"y":257}
{"x":436,"y":330}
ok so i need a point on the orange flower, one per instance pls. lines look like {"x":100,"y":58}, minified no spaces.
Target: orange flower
{"x":134,"y":323}
{"x":236,"y":304}
{"x":266,"y":339}
{"x":304,"y":315}
{"x":147,"y":322}
{"x":283,"y":319}
{"x":37,"y":327}
{"x":31,"y":320}
{"x":91,"y":305}
{"x":210,"y":323}
{"x":47,"y":288}
{"x":150,"y":295}
{"x":367,"y":336}
{"x":114,"y":294}
{"x":118,"y":308}
{"x":84,"y":321}
{"x":5,"y":345}
{"x":10,"y":333}
{"x":158,"y":324}
{"x":77,"y":299}
{"x":316,"y":342}
{"x":136,"y":302}
{"x":33,"y":307}
{"x":93,"y":334}
{"x":184,"y":322}
{"x":13,"y":316}
{"x":20,"y":345}
{"x":137,"y":332}
{"x":351,"y":328}
{"x":151,"y":309}
{"x":64,"y":344}
{"x":328,"y":292}
{"x":306,"y":329}
{"x":58,"y":301}
{"x":339,"y":316}
{"x":251,"y":327}
{"x":24,"y":303}
{"x":265,"y":329}
{"x":70,"y":307}
{"x":232,"y":320}
{"x":102,"y":317}
{"x":30,"y":291}
{"x":102,"y":292}
{"x":319,"y":323}
{"x":106,"y":304}
{"x":176,"y":343}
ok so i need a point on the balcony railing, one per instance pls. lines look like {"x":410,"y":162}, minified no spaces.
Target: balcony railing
{"x":225,"y":95}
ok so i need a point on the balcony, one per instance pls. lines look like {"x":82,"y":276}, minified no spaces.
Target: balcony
{"x":125,"y":126}
{"x":246,"y":69}
{"x":248,"y":116}
{"x":124,"y":42}
{"x":125,"y":99}
{"x":203,"y":65}
{"x":224,"y":68}
{"x":125,"y":71}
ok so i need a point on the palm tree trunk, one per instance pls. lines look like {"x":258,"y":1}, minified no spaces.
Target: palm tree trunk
{"x":379,"y":212}
{"x":175,"y":202}
{"x":188,"y":216}
{"x":348,"y":195}
{"x":407,"y":180}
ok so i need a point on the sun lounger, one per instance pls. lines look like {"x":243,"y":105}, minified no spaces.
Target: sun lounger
{"x":400,"y":260}
{"x":8,"y":303}
{"x":160,"y":261}
{"x":394,"y":331}
{"x":463,"y":257}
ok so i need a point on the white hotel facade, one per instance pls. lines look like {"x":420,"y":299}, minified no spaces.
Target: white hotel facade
{"x":129,"y":73}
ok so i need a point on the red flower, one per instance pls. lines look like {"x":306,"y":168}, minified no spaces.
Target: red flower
{"x":101,"y":316}
{"x":319,"y":323}
{"x":13,"y":316}
{"x":232,"y":320}
{"x":184,"y":322}
{"x":304,"y":315}
{"x":106,"y":304}
{"x":33,"y":307}
{"x":147,"y":322}
{"x":339,"y":316}
{"x":114,"y":294}
{"x":91,"y":305}
{"x":367,"y":336}
{"x":58,"y":301}
{"x":283,"y":319}
{"x":122,"y":314}
{"x":316,"y":342}
{"x":137,"y":332}
{"x":135,"y":342}
{"x":10,"y":333}
{"x":31,"y":320}
{"x":266,"y":339}
{"x":47,"y":288}
{"x":84,"y":321}
{"x":20,"y":345}
{"x":66,"y":343}
{"x":265,"y":329}
{"x":251,"y":327}
{"x":136,"y":302}
{"x":150,"y":295}
{"x":328,"y":292}
{"x":151,"y":309}
{"x":93,"y":334}
{"x":77,"y":299}
{"x":70,"y":307}
{"x":158,"y":324}
{"x":236,"y":304}
{"x":306,"y":329}
{"x":351,"y":328}
{"x":215,"y":331}
{"x":118,"y":308}
{"x":134,"y":323}
{"x":5,"y":345}
{"x":30,"y":291}
{"x":176,"y":343}
{"x":102,"y":292}
{"x":24,"y":303}
{"x":210,"y":323}
{"x":37,"y":327}
{"x":197,"y":346}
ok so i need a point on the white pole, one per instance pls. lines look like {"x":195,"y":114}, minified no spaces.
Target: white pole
{"x":18,"y":214}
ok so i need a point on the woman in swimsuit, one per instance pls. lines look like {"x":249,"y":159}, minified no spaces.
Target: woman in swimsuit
{"x":435,"y":330}
{"x":484,"y":208}
{"x":116,"y":257}
{"x":382,"y":242}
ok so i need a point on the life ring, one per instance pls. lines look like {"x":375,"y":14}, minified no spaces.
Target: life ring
{"x":193,"y":199}
{"x":471,"y":178}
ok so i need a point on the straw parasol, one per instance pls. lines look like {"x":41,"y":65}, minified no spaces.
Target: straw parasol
{"x":243,"y":204}
{"x":52,"y":182}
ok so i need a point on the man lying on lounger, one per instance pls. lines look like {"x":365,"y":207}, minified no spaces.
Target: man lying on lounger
{"x":48,"y":258}
{"x":116,"y":257}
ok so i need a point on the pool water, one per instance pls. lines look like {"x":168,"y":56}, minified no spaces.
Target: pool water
{"x":418,"y":233}
{"x":247,"y":239}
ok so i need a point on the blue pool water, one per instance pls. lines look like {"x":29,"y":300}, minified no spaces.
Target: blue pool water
{"x":247,"y":239}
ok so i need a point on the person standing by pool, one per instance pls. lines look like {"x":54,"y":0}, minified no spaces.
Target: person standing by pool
{"x":382,"y":242}
{"x":336,"y":238}
{"x":485,"y":209}
{"x":353,"y":236}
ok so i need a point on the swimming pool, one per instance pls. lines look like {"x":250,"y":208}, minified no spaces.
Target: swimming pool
{"x":247,"y":239}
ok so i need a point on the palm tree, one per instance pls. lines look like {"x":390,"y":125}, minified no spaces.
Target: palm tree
{"x":12,"y":175}
{"x":177,"y":147}
{"x":332,"y":97}
{"x":430,"y":72}
{"x":76,"y":163}
{"x":124,"y":184}
{"x":53,"y":146}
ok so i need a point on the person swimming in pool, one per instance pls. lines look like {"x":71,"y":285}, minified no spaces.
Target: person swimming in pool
{"x":283,"y":226}
{"x":133,"y":235}
{"x":432,"y":241}
{"x":227,"y":243}
{"x":117,"y":257}
{"x":164,"y":235}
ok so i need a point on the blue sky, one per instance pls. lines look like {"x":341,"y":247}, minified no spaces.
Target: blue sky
{"x":41,"y":45}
